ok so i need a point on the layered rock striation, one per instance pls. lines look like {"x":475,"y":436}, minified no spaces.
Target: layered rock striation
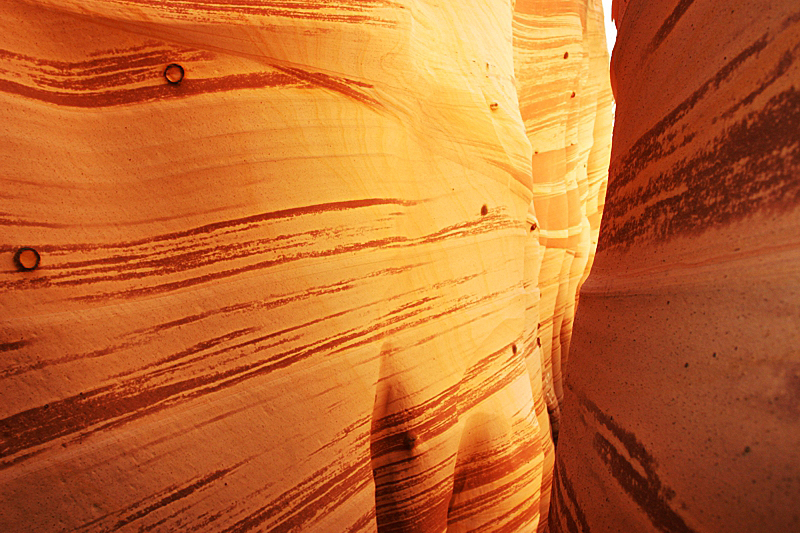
{"x":301,"y":266}
{"x":682,"y":402}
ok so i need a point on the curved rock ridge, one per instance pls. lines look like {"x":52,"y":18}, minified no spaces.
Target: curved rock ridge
{"x":565,"y":100}
{"x":682,"y":401}
{"x":292,"y":266}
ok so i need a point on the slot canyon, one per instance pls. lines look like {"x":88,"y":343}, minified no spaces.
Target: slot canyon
{"x":374,"y":266}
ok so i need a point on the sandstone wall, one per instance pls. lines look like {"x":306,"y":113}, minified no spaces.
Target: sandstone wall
{"x":319,"y":275}
{"x":682,"y":404}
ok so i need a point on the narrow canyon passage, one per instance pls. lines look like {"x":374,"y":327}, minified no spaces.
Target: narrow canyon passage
{"x":373,"y":266}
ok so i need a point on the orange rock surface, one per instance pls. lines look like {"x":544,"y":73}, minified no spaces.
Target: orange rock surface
{"x":682,"y":406}
{"x":294,"y":266}
{"x":565,"y":100}
{"x":314,"y":266}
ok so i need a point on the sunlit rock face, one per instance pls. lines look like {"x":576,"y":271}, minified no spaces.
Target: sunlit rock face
{"x":287,"y":260}
{"x":565,"y":101}
{"x":682,"y":399}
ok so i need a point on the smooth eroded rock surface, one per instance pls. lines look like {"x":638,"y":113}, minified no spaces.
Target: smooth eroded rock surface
{"x":290,"y":260}
{"x":682,"y":404}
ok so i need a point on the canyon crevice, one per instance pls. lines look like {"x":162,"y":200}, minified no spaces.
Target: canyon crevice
{"x":373,"y":266}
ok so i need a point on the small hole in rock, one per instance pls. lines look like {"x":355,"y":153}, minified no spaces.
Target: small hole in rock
{"x":26,"y":259}
{"x":566,"y":55}
{"x":484,"y":210}
{"x":174,"y":73}
{"x":514,"y":349}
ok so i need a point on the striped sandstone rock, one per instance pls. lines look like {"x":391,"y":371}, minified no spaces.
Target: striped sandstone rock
{"x":291,"y":260}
